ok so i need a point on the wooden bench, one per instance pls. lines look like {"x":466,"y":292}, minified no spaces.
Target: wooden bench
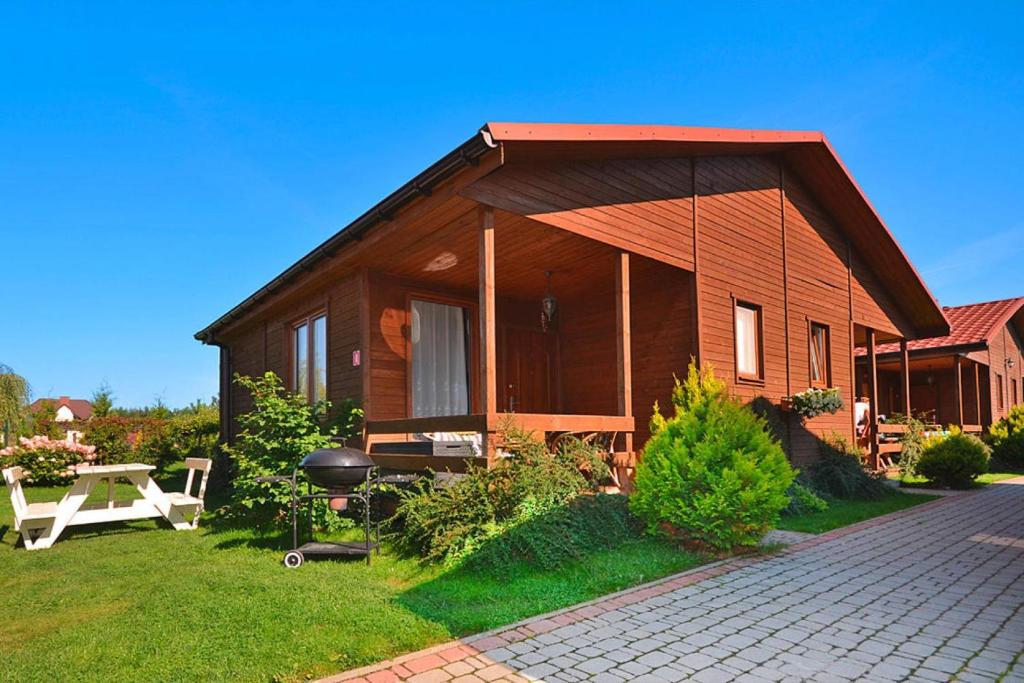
{"x":33,"y":520}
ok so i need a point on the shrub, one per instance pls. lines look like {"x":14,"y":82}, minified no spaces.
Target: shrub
{"x":493,"y":508}
{"x":710,"y":474}
{"x":803,"y":500}
{"x":838,"y":473}
{"x":129,"y":439}
{"x":279,"y":430}
{"x":554,"y":537}
{"x":911,"y":443}
{"x":47,"y":461}
{"x":953,"y":460}
{"x":1007,"y":438}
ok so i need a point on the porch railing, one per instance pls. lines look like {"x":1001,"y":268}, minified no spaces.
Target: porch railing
{"x":379,"y":432}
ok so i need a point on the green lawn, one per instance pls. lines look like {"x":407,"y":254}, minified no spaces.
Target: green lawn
{"x":985,"y":479}
{"x":140,"y":601}
{"x":845,"y":512}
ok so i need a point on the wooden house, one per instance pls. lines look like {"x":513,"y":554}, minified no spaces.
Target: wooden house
{"x":970,"y":377}
{"x":558,"y":275}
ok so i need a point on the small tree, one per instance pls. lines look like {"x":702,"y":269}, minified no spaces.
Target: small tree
{"x":280,"y":430}
{"x":14,"y":392}
{"x":710,"y":474}
{"x":1007,"y":438}
{"x":102,"y":400}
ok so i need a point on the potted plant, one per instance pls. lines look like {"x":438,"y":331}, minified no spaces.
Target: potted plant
{"x":813,"y":402}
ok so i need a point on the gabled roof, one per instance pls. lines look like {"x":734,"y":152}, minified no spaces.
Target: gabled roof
{"x":79,"y":407}
{"x":807,"y":152}
{"x":971,"y":325}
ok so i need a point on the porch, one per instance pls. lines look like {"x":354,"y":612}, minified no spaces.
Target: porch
{"x":493,"y":320}
{"x":938,"y":389}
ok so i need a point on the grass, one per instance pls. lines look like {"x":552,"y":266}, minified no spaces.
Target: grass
{"x":845,"y":512}
{"x":139,"y":601}
{"x":1001,"y":474}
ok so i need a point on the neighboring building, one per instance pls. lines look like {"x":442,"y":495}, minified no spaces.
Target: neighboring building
{"x":67,"y":409}
{"x":561,"y":274}
{"x":970,"y":377}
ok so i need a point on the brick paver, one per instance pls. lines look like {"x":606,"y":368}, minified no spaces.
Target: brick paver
{"x":935,"y":593}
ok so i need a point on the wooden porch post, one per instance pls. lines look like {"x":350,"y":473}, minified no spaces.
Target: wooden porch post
{"x":872,"y":398}
{"x":977,"y":390}
{"x":624,"y":350}
{"x":905,"y":375}
{"x":488,"y":355}
{"x":959,"y":391}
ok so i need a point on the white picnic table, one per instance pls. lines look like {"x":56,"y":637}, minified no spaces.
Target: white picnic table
{"x":42,"y":523}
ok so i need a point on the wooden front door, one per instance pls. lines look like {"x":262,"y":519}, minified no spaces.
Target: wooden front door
{"x":528,"y":371}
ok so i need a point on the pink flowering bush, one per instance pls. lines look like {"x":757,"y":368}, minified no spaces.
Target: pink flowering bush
{"x":47,"y":461}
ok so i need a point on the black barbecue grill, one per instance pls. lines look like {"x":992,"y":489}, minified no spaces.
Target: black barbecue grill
{"x":343,"y":474}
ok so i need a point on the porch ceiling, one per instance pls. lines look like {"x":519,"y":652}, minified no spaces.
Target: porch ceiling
{"x":447,"y":256}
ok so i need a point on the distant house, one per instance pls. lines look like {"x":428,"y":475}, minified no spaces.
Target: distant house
{"x":556,"y":276}
{"x":68,"y":409}
{"x":970,"y":377}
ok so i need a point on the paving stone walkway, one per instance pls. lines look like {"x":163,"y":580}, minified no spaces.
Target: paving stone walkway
{"x":933,"y":593}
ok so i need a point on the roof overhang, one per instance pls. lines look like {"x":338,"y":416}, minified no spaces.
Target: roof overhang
{"x":807,"y":152}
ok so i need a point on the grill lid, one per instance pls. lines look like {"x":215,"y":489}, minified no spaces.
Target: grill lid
{"x":336,"y":457}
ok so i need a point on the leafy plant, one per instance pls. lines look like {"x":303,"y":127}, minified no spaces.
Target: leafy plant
{"x":803,"y":500}
{"x":953,"y":460}
{"x":47,"y":461}
{"x":348,"y":419}
{"x":838,"y":472}
{"x":493,"y":508}
{"x":710,"y":474}
{"x":1007,"y":438}
{"x":814,"y":402}
{"x":280,"y":430}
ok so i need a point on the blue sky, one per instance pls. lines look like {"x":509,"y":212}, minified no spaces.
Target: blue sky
{"x":159,"y":163}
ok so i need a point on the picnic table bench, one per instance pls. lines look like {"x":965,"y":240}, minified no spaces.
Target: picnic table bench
{"x":40,"y":524}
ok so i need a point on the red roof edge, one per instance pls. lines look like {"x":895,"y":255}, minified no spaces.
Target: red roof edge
{"x":610,"y":132}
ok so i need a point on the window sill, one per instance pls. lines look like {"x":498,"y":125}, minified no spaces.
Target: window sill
{"x":750,"y":381}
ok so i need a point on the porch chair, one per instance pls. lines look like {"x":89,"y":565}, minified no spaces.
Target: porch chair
{"x":185,"y":502}
{"x":34,"y":520}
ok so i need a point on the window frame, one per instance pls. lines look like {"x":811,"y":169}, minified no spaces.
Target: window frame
{"x":309,"y":321}
{"x":826,"y":382}
{"x":1000,"y":393}
{"x":758,"y":310}
{"x":1013,"y":392}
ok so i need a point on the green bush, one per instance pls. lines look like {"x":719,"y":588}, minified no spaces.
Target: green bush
{"x":838,"y":473}
{"x":1007,"y":438}
{"x":449,"y":524}
{"x":953,"y":460}
{"x":561,"y":534}
{"x":710,"y":474}
{"x":911,"y":443}
{"x":279,"y":430}
{"x":814,"y":402}
{"x":803,"y":500}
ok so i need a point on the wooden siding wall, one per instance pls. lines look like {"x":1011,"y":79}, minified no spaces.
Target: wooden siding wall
{"x":1006,"y":345}
{"x":265,"y":344}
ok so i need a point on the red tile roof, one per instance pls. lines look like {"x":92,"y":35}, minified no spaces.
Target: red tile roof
{"x":80,"y":408}
{"x":970,"y":324}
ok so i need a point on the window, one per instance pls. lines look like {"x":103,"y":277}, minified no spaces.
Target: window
{"x":748,"y":342}
{"x":1000,"y":398}
{"x":440,"y":359}
{"x":309,"y":357}
{"x":1013,"y":391}
{"x":821,"y":356}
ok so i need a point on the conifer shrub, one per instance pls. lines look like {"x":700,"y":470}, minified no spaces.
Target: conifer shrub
{"x":710,"y":474}
{"x":839,"y":473}
{"x":1007,"y":438}
{"x":953,"y":460}
{"x":534,"y":506}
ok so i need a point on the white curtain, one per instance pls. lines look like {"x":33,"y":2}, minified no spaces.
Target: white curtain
{"x":746,"y":341}
{"x":440,"y":384}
